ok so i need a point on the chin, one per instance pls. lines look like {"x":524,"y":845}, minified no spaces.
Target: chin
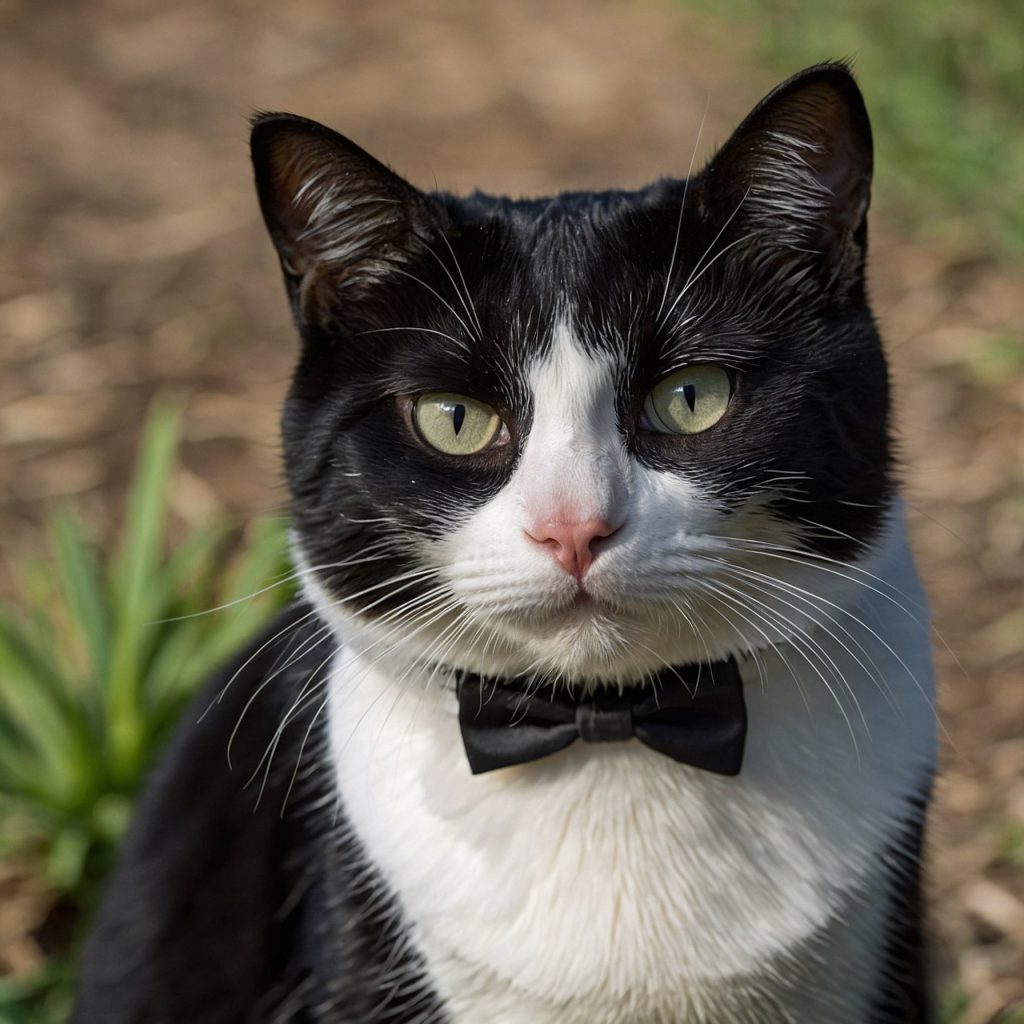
{"x":584,"y":643}
{"x":593,"y":642}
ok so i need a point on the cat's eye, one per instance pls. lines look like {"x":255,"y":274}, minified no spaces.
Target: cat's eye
{"x":688,"y":401}
{"x":455,"y":424}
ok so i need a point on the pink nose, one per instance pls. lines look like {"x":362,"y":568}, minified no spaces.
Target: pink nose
{"x":571,"y":543}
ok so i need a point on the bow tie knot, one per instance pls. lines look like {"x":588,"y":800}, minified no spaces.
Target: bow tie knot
{"x":603,"y":725}
{"x":694,"y":714}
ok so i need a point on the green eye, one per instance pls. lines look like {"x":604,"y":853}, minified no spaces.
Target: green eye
{"x":454,"y":424}
{"x":688,"y":401}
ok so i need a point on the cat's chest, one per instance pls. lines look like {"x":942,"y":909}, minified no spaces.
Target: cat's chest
{"x":611,"y":878}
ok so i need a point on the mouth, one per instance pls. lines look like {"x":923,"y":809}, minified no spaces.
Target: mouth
{"x":583,"y":606}
{"x":583,"y":613}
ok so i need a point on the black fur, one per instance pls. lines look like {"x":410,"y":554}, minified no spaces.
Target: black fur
{"x":230,"y":904}
{"x":904,"y":996}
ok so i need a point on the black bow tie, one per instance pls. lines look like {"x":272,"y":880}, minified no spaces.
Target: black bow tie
{"x":694,"y":714}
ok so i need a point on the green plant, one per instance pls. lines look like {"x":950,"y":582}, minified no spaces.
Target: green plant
{"x":1011,"y":844}
{"x":43,"y":998}
{"x":98,"y":659}
{"x":953,"y":1004}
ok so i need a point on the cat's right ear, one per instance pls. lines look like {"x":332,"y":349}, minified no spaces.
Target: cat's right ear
{"x":340,"y":220}
{"x":793,"y":182}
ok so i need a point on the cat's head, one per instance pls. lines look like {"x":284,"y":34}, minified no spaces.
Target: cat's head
{"x":592,"y":434}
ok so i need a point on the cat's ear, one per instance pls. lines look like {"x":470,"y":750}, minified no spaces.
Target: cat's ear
{"x":340,"y":220}
{"x":795,"y":177}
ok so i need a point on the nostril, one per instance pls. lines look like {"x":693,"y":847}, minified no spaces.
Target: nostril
{"x":599,"y":541}
{"x":555,"y":547}
{"x":587,"y":537}
{"x":557,"y":538}
{"x":603,"y":530}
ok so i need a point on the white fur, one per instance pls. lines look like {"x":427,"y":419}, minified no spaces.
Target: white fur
{"x":608,"y":883}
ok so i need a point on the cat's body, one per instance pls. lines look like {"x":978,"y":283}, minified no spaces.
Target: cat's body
{"x":573,"y":442}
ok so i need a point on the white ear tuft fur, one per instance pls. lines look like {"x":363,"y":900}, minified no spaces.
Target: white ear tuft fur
{"x":797,"y":172}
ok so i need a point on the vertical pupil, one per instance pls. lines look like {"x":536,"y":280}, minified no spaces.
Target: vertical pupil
{"x":459,"y":417}
{"x":690,"y":394}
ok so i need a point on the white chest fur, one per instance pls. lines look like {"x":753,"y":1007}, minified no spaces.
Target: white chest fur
{"x":609,"y":884}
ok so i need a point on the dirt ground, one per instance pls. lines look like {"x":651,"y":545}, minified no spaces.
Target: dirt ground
{"x":132,"y":261}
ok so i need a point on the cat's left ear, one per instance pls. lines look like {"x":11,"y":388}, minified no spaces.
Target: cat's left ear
{"x":795,"y":177}
{"x":340,"y":220}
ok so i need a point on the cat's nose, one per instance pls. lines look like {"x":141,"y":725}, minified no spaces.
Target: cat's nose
{"x":572,"y":544}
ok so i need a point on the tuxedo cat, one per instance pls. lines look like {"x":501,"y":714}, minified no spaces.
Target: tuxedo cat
{"x":588,"y":460}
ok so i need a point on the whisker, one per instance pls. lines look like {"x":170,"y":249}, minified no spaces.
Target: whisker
{"x":422,"y":330}
{"x":769,"y":641}
{"x":793,"y":643}
{"x":808,"y":598}
{"x":471,"y":313}
{"x":280,"y":582}
{"x":318,"y":637}
{"x":291,"y":627}
{"x":444,"y":302}
{"x":858,"y":621}
{"x":805,"y":637}
{"x":321,"y":635}
{"x":308,"y":693}
{"x":813,"y":558}
{"x":698,"y":271}
{"x":682,"y":207}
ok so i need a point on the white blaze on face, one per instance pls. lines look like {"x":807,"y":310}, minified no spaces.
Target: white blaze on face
{"x":506,"y":563}
{"x":574,"y":466}
{"x":574,"y":471}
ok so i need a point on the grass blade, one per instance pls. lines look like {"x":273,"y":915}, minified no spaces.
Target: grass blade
{"x":135,"y":568}
{"x":83,"y":589}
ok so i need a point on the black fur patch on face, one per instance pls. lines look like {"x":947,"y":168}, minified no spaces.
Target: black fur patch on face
{"x":397,"y":293}
{"x":361,"y":478}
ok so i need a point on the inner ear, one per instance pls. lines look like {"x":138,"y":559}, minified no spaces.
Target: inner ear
{"x":796,"y":174}
{"x":340,"y":220}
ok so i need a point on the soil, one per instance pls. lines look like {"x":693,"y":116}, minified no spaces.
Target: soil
{"x":132,"y":261}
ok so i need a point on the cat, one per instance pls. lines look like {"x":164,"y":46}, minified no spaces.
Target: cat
{"x":577,"y":449}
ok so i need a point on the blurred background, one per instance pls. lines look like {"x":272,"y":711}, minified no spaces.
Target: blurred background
{"x":133,"y":266}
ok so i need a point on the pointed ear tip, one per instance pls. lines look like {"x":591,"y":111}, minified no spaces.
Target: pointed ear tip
{"x":840,"y":67}
{"x":838,"y":70}
{"x":836,"y":75}
{"x":276,"y":141}
{"x":266,"y":125}
{"x":830,"y":90}
{"x":263,"y":127}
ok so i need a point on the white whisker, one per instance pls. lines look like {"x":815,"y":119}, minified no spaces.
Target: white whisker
{"x":682,"y":208}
